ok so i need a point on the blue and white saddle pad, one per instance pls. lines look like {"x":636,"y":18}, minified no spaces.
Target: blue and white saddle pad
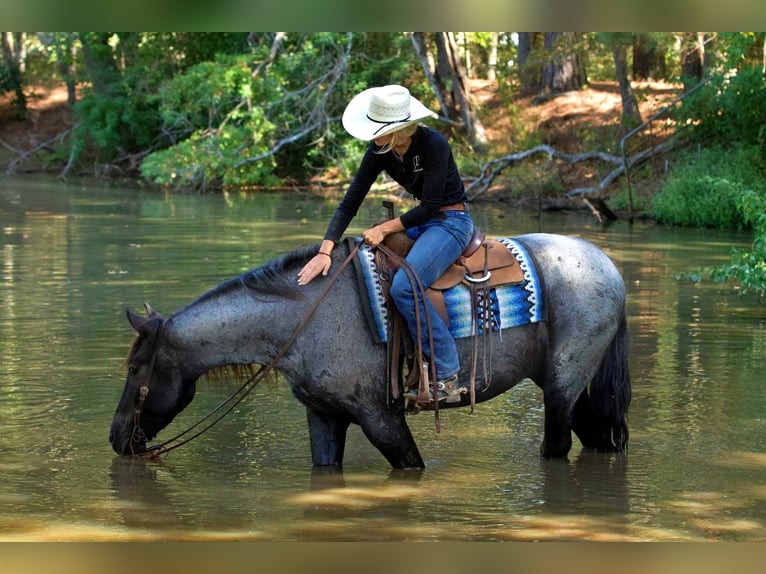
{"x":511,"y":305}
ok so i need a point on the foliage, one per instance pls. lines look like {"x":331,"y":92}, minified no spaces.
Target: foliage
{"x":116,"y":124}
{"x":728,"y":117}
{"x":748,"y":266}
{"x":730,"y":110}
{"x":210,"y":112}
{"x":703,"y":189}
{"x":255,"y":118}
{"x":5,"y":79}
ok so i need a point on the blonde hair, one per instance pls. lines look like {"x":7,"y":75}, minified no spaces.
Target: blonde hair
{"x":398,"y":136}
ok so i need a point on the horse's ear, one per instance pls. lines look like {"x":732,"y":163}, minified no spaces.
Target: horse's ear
{"x":151,"y":313}
{"x":136,"y":320}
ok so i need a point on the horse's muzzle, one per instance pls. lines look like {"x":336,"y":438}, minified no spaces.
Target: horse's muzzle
{"x":127,"y":443}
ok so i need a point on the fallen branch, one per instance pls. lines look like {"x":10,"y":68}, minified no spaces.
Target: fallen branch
{"x":26,"y":154}
{"x":277,"y":146}
{"x":494,"y":167}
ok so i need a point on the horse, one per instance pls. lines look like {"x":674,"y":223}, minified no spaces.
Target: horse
{"x":337,"y":369}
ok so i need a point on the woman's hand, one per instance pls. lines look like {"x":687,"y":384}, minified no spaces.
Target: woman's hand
{"x":375,"y":235}
{"x":320,"y":263}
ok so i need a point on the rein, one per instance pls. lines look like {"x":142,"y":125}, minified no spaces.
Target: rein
{"x":244,"y":390}
{"x":418,"y":289}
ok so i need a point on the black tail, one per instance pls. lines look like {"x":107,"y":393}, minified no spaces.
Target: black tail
{"x":610,"y":395}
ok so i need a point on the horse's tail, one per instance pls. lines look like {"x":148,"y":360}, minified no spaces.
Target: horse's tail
{"x":610,"y":393}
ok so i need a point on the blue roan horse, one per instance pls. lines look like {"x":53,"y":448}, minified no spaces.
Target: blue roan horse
{"x":577,"y":356}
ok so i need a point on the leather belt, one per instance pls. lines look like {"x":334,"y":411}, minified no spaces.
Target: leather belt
{"x":462,"y":206}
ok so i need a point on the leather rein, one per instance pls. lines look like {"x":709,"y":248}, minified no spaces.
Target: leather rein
{"x":419,"y":291}
{"x":237,"y":396}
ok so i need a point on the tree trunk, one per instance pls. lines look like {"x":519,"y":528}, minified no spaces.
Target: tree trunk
{"x":448,"y":82}
{"x":427,"y":62}
{"x":631,"y":116}
{"x":692,"y":58}
{"x":11,"y":53}
{"x":565,"y":70}
{"x":525,"y":47}
{"x":492,"y":59}
{"x":65,"y":58}
{"x":648,"y":59}
{"x":529,"y":74}
{"x":459,"y":95}
{"x":100,"y":63}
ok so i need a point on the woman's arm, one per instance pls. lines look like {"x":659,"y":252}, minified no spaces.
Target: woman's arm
{"x":375,"y":235}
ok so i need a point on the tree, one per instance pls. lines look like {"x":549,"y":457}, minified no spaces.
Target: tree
{"x":446,"y":75}
{"x":551,"y":62}
{"x":565,"y":71}
{"x":105,"y":76}
{"x":12,"y":43}
{"x":619,"y":42}
{"x":631,"y":116}
{"x":693,"y":58}
{"x":648,"y":57}
{"x":64,"y":56}
{"x":241,"y":119}
{"x":492,"y":56}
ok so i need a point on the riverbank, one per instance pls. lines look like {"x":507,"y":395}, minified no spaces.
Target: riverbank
{"x":572,"y":123}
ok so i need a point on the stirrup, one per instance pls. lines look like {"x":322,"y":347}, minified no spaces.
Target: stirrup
{"x":447,"y":390}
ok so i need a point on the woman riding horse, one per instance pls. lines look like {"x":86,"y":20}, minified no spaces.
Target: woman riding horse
{"x":420,"y":160}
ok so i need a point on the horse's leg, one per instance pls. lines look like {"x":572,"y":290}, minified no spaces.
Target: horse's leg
{"x":557,"y":439}
{"x":582,"y":424}
{"x":328,"y":438}
{"x":599,"y":414}
{"x":568,"y":406}
{"x":389,"y":433}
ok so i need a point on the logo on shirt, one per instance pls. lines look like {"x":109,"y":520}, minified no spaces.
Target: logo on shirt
{"x":416,"y":163}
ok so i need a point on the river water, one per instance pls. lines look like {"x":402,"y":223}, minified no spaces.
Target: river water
{"x":73,"y":258}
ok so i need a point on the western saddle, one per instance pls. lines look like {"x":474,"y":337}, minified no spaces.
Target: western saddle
{"x":483,"y":265}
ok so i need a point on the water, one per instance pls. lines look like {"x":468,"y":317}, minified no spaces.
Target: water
{"x":74,"y":258}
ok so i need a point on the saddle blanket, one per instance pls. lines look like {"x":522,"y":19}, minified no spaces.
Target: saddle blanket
{"x":511,"y":305}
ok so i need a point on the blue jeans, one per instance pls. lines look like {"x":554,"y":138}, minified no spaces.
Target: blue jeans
{"x":438,"y":244}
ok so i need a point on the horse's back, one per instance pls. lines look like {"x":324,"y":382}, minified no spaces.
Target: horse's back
{"x":567,"y":260}
{"x":583,"y":287}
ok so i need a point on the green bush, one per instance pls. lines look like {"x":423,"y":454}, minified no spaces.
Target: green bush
{"x":214,"y":112}
{"x":117,"y":124}
{"x":748,"y":266}
{"x":703,"y":190}
{"x":231,"y":126}
{"x":729,"y":111}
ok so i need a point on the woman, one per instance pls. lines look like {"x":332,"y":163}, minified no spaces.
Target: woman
{"x":420,"y":160}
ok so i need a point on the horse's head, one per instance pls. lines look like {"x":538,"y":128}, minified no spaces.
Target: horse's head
{"x":154,"y":392}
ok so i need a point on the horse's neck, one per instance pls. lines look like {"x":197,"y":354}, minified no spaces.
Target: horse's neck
{"x":220,"y":331}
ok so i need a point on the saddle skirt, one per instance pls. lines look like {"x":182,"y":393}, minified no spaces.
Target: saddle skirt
{"x":514,"y":297}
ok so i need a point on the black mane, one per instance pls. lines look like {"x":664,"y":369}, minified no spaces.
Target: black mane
{"x":275,"y":277}
{"x":279,"y":275}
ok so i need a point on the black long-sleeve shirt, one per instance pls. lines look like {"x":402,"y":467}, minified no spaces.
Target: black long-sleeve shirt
{"x":427,"y":171}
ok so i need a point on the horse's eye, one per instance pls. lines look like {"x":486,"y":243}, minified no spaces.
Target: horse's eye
{"x":132,"y":369}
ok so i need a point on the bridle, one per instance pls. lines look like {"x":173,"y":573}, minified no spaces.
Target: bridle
{"x":138,"y":435}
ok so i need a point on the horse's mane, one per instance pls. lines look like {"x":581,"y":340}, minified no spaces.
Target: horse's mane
{"x":276,"y":277}
{"x":279,"y":275}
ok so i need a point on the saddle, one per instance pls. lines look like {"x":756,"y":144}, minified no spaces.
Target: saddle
{"x":485,"y":263}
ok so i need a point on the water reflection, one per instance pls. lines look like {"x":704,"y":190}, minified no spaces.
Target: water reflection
{"x":140,"y":497}
{"x":74,"y":258}
{"x":592,"y":483}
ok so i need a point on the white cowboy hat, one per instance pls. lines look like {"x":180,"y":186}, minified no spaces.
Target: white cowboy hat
{"x":379,"y":111}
